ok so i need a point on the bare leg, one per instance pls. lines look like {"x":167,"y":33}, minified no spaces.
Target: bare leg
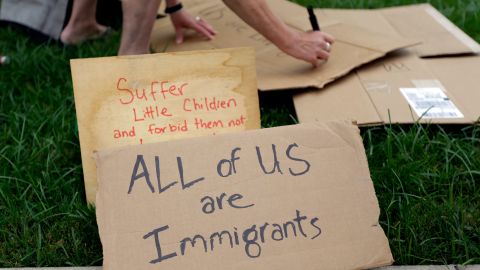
{"x":138,"y":19}
{"x":82,"y":24}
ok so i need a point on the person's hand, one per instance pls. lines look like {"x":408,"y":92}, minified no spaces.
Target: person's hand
{"x":182,"y":20}
{"x":309,"y":46}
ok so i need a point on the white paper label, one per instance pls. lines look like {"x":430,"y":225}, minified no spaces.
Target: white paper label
{"x":431,"y":103}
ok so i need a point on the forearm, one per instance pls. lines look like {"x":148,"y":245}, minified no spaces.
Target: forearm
{"x":172,"y":2}
{"x":259,"y":16}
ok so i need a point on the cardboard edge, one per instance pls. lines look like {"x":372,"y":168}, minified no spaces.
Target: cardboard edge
{"x":354,"y":136}
{"x":300,"y":97}
{"x":448,"y":25}
{"x":89,"y":197}
{"x":140,"y":56}
{"x":461,"y":36}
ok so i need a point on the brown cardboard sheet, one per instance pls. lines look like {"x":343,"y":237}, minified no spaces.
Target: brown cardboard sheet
{"x":354,"y":46}
{"x":293,"y":197}
{"x":140,"y":99}
{"x":373,"y":94}
{"x":438,"y":35}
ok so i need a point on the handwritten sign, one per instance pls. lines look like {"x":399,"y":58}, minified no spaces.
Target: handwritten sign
{"x":295,"y":197}
{"x":141,"y":99}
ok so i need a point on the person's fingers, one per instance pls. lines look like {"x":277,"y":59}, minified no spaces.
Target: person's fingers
{"x":322,"y":54}
{"x":326,"y":46}
{"x":202,"y":30}
{"x":179,"y":35}
{"x":329,"y":38}
{"x":313,"y":61}
{"x":318,"y":47}
{"x":207,"y":26}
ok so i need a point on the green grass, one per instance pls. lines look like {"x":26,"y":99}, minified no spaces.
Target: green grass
{"x":426,"y":177}
{"x":427,"y":182}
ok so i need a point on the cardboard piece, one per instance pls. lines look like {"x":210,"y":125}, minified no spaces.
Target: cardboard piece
{"x":439,"y":36}
{"x":158,"y":205}
{"x":403,"y":88}
{"x":376,"y":94}
{"x":354,"y":46}
{"x":194,"y":93}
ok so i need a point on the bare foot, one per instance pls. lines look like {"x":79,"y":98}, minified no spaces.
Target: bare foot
{"x":74,"y":34}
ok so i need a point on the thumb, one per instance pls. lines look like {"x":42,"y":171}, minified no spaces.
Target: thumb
{"x":179,"y":35}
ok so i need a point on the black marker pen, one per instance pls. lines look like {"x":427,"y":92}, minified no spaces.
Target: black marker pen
{"x":316,"y":26}
{"x":313,"y":19}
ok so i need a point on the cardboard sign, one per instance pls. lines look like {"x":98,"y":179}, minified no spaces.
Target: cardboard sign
{"x":354,"y":46}
{"x":294,"y":197}
{"x":375,"y":94}
{"x":140,"y":99}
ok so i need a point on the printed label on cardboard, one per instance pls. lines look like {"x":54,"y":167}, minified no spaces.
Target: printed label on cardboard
{"x":431,"y":103}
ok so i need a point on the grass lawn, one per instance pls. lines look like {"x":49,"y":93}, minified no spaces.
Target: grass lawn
{"x":427,"y":178}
